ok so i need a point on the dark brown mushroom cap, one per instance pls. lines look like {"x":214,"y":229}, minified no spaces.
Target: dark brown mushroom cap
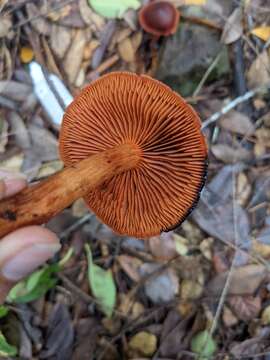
{"x":159,"y":18}
{"x":128,"y":108}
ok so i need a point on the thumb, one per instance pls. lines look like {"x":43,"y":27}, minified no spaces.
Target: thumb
{"x":22,"y":252}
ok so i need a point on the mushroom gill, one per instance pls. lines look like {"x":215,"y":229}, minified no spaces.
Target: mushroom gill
{"x":162,"y":189}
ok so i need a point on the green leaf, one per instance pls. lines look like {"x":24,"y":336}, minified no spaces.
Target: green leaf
{"x":203,"y":344}
{"x":38,"y":283}
{"x":113,"y":8}
{"x":102,"y":285}
{"x":6,"y":350}
{"x":3,"y":311}
{"x":35,"y":286}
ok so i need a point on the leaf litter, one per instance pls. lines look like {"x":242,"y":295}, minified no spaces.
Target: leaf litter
{"x":207,"y":282}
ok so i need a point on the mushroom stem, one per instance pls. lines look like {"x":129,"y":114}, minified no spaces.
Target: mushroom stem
{"x":38,"y":203}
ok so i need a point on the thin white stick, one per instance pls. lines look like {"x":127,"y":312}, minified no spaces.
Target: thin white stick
{"x":232,"y":104}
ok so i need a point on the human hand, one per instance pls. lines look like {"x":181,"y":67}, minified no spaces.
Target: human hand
{"x":24,"y":250}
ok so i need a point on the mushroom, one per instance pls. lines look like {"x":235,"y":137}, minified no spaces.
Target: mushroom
{"x":133,"y":149}
{"x":159,"y":18}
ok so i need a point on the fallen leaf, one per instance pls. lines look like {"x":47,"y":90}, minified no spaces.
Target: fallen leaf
{"x":87,"y":331}
{"x":204,"y":344}
{"x":216,"y":213}
{"x":6,"y":349}
{"x":5,"y":26}
{"x":233,"y":28}
{"x":44,"y":143}
{"x":19,"y":130}
{"x":126,"y":50}
{"x":163,"y":247}
{"x":230,"y":155}
{"x":49,"y":168}
{"x":160,"y":288}
{"x":14,"y":163}
{"x":237,"y":122}
{"x":228,"y":317}
{"x":258,"y":73}
{"x":3,"y":311}
{"x":59,"y":334}
{"x":3,"y":134}
{"x":74,"y":56}
{"x":102,"y":285}
{"x":15,"y":90}
{"x":39,"y":23}
{"x":142,"y":344}
{"x":262,"y":32}
{"x":247,"y":348}
{"x":172,"y":335}
{"x":245,"y":308}
{"x":245,"y":280}
{"x":190,"y":290}
{"x":90,"y":17}
{"x":60,"y":40}
{"x":195,"y":2}
{"x":265,"y":317}
{"x":131,"y":266}
{"x":113,"y":9}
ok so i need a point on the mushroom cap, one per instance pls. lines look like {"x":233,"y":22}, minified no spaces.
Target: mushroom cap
{"x":161,"y":191}
{"x":159,"y":18}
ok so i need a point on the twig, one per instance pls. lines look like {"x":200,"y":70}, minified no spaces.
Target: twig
{"x":232,"y":104}
{"x":75,"y":289}
{"x":207,"y":73}
{"x":43,"y":13}
{"x":64,"y":234}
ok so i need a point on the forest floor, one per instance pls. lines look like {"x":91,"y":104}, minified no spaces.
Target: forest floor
{"x":201,"y":291}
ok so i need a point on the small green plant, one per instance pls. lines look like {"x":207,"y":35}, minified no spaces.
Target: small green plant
{"x":204,"y":345}
{"x":38,"y":283}
{"x":102,"y":285}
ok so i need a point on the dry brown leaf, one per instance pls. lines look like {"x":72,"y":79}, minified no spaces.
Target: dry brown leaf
{"x":5,"y":26}
{"x":259,"y":71}
{"x":160,"y":288}
{"x":243,"y":189}
{"x":49,"y":168}
{"x":126,"y":50}
{"x":3,"y":134}
{"x":245,"y":280}
{"x":19,"y":131}
{"x":60,"y":40}
{"x":142,"y":344}
{"x":45,"y":145}
{"x":229,"y":155}
{"x":14,"y":163}
{"x":131,"y":266}
{"x":15,"y":90}
{"x":163,"y":247}
{"x":228,"y":317}
{"x":245,"y":307}
{"x":39,"y":23}
{"x":262,"y":32}
{"x":90,"y":17}
{"x":136,"y":40}
{"x":233,"y":28}
{"x":237,"y":122}
{"x":74,"y":56}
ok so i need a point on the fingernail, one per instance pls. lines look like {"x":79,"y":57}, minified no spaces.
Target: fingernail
{"x":28,"y":260}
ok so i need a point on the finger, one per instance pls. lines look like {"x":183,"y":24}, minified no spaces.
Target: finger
{"x":22,"y":252}
{"x":11,"y":183}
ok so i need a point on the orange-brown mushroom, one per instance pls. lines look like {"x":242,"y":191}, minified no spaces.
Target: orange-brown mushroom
{"x":133,"y":149}
{"x":159,"y":18}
